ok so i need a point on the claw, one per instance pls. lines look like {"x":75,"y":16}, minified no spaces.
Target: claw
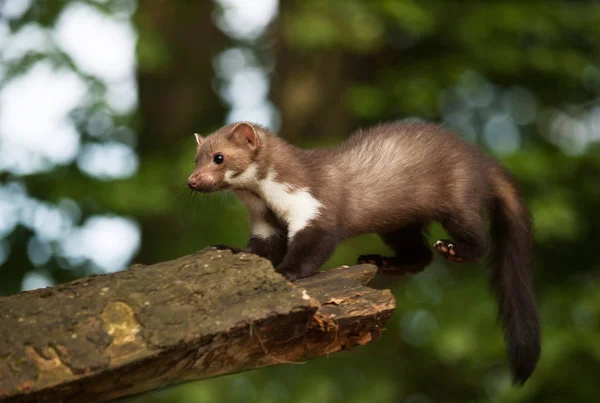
{"x":448,"y":250}
{"x":227,"y":247}
{"x":451,"y":250}
{"x":376,"y":260}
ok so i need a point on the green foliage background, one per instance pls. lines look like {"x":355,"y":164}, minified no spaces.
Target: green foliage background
{"x":335,"y":66}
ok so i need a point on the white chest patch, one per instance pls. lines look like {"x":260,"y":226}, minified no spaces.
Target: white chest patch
{"x":297,"y":207}
{"x":256,"y":209}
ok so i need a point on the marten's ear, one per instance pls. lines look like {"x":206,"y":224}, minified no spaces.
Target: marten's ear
{"x":199,"y":138}
{"x":244,"y":135}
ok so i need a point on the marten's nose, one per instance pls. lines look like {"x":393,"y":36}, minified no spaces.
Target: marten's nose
{"x":192,"y":183}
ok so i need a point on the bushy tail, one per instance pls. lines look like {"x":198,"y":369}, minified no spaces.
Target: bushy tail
{"x":512,"y":276}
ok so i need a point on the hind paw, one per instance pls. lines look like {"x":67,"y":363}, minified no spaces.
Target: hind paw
{"x":447,"y":249}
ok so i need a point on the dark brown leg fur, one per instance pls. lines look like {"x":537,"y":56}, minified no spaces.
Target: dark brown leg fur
{"x":308,"y":250}
{"x":469,"y":238}
{"x":272,"y":248}
{"x":412,"y":253}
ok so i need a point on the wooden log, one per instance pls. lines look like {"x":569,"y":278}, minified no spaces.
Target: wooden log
{"x":203,"y":315}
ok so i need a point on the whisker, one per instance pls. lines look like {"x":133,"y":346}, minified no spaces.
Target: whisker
{"x":177,"y":198}
{"x":174,"y":192}
{"x":194,"y":208}
{"x":187,"y":200}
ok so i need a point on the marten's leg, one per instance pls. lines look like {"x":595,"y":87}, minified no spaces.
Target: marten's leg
{"x":307,"y":250}
{"x":268,"y":235}
{"x":272,"y":248}
{"x":469,"y":238}
{"x":411,"y":252}
{"x":268,"y":238}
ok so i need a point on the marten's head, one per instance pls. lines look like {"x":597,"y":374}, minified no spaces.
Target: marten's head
{"x":224,"y":158}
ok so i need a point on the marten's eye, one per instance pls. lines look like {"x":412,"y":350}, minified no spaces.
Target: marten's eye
{"x":218,"y":158}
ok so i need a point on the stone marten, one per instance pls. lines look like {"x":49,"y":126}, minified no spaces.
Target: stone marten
{"x":392,"y":179}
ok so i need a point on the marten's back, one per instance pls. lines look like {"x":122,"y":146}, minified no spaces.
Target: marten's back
{"x":407,"y":171}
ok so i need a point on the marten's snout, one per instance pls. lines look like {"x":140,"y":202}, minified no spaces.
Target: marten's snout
{"x":192,"y":183}
{"x":202,"y":182}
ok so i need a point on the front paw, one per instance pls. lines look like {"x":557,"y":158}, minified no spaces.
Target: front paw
{"x":291,"y":277}
{"x":377,"y":260}
{"x":229,"y":248}
{"x":294,"y":274}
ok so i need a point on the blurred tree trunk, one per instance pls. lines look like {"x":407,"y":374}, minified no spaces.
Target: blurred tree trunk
{"x":175,"y":75}
{"x":309,"y":88}
{"x":177,"y":42}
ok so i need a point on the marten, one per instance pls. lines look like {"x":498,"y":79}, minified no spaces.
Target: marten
{"x":392,"y":179}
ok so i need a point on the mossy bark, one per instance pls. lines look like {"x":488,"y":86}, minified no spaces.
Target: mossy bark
{"x":202,"y":315}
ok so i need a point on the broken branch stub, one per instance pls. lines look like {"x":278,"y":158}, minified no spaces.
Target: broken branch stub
{"x":202,"y":315}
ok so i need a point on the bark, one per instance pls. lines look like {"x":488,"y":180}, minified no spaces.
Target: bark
{"x":207,"y":314}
